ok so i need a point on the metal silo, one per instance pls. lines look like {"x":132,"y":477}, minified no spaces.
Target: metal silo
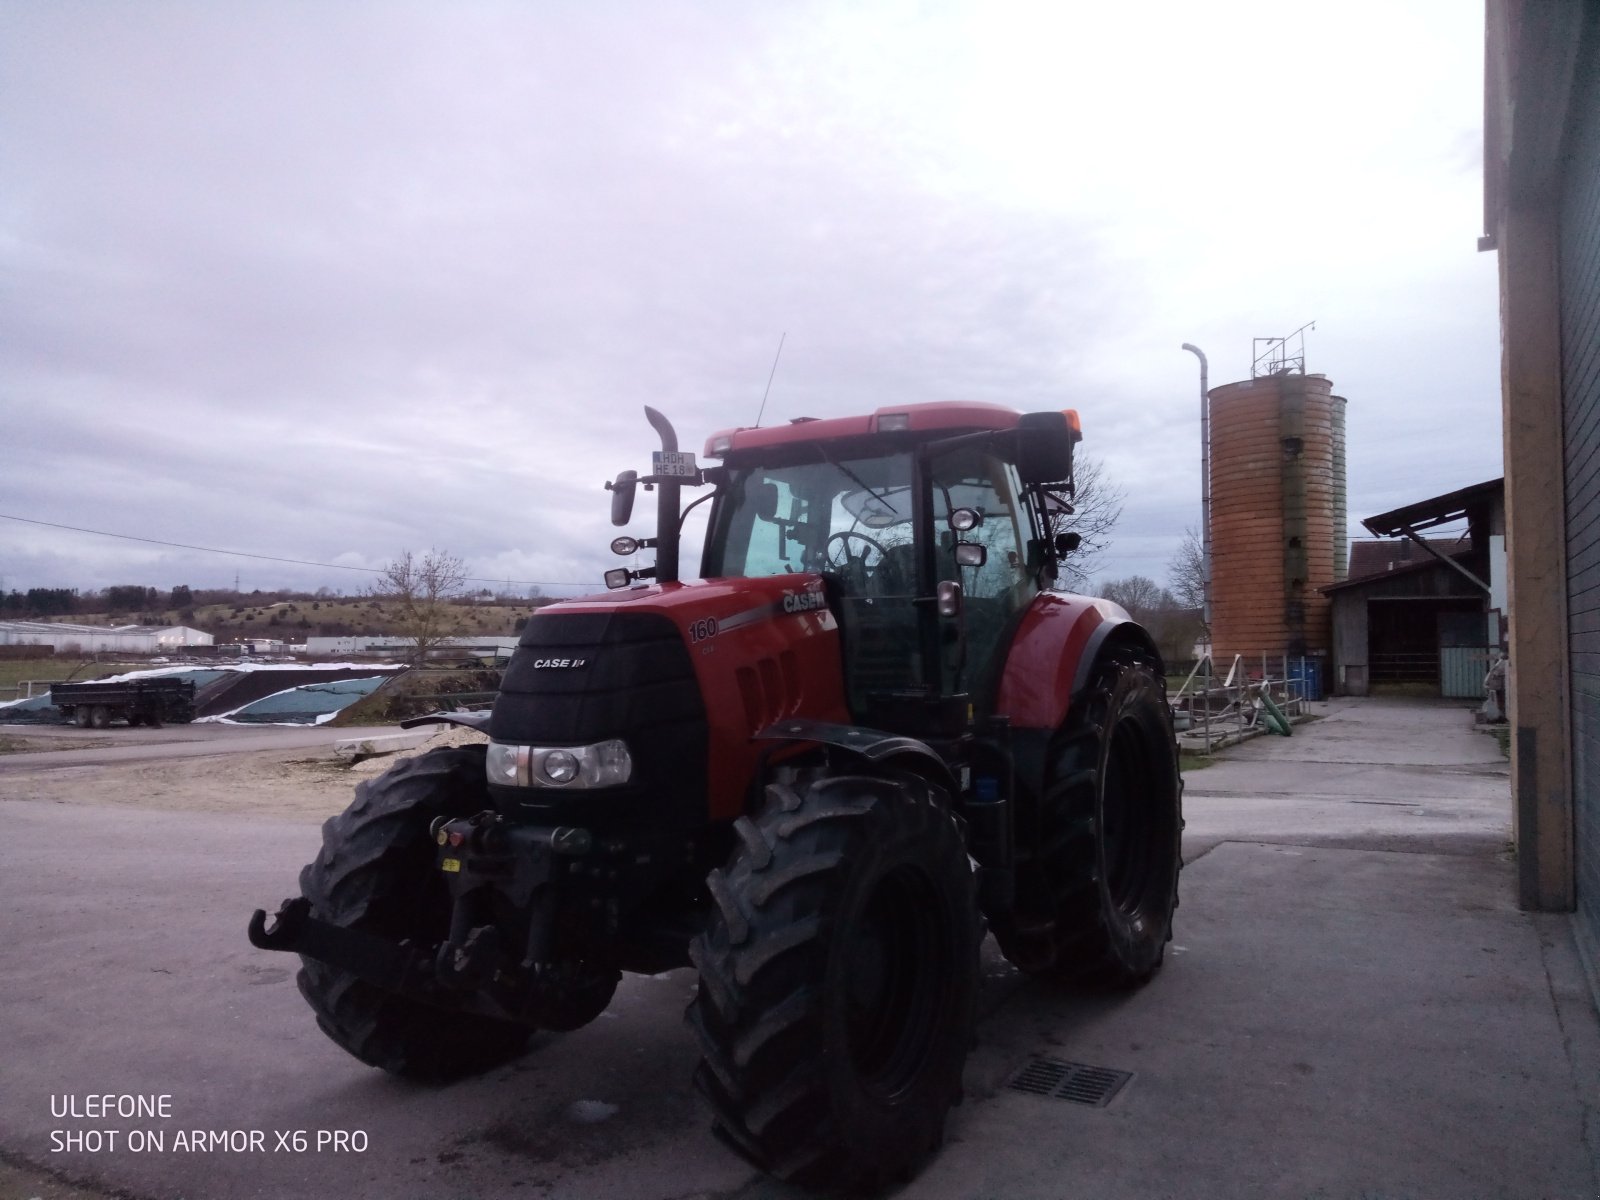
{"x":1277,"y":515}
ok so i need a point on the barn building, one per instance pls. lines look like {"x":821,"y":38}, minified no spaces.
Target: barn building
{"x":1423,"y":611}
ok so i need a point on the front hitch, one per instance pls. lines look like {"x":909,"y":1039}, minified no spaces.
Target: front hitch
{"x":293,"y":929}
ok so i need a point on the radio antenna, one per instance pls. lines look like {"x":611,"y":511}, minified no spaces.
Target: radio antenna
{"x":774,"y":371}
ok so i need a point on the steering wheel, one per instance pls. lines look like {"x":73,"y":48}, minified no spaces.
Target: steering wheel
{"x":854,"y":567}
{"x":850,"y":561}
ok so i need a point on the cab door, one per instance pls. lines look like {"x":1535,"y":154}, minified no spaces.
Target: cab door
{"x":996,"y":592}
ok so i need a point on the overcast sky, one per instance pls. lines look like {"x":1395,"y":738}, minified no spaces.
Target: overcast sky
{"x":328,"y":281}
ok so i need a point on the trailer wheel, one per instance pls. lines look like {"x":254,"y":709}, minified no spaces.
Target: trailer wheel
{"x":838,"y":981}
{"x":99,"y":716}
{"x":80,"y":717}
{"x":1105,"y":876}
{"x":376,"y":873}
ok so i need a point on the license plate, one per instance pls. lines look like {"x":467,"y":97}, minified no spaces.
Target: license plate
{"x":672,"y":463}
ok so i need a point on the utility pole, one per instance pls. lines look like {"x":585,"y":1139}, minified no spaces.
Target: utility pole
{"x":1205,"y":483}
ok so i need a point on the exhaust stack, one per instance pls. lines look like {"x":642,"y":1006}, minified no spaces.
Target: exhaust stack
{"x":667,"y":500}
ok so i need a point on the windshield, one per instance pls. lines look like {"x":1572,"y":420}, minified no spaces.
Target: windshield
{"x":841,"y":516}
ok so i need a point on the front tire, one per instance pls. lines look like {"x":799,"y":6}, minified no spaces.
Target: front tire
{"x":1104,"y":879}
{"x":838,"y":981}
{"x":376,"y":873}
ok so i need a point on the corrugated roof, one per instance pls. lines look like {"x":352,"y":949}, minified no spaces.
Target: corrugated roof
{"x":1370,"y":558}
{"x":1436,"y":510}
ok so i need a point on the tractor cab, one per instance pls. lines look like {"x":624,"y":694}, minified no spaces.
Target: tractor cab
{"x":931,"y":528}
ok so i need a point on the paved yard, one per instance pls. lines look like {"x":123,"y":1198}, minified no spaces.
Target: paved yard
{"x":1352,"y":1007}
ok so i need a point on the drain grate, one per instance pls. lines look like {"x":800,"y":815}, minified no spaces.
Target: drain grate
{"x":1076,"y":1082}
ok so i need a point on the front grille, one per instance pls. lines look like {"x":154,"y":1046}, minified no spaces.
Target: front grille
{"x":636,"y":682}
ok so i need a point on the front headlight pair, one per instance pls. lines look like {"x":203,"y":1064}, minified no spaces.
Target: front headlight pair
{"x":604,"y":764}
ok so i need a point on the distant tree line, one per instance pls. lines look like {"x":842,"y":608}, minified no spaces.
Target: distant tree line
{"x":325,"y":611}
{"x":39,"y":602}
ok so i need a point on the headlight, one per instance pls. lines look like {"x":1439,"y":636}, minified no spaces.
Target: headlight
{"x":604,"y":764}
{"x":559,"y":766}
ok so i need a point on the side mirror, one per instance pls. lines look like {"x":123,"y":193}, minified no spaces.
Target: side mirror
{"x":622,"y":496}
{"x":1044,"y":448}
{"x":1066,"y":543}
{"x":971,"y":554}
{"x":767,"y":501}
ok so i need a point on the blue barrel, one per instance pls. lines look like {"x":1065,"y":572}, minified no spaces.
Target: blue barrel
{"x":1307,"y":673}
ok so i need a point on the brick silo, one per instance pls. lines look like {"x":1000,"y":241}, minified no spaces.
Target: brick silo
{"x":1277,"y":516}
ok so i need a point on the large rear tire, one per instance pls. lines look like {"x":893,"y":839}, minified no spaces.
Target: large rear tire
{"x":376,"y":873}
{"x":838,"y":981}
{"x":1104,"y":879}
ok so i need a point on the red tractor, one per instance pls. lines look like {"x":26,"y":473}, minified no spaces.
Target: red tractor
{"x":814,"y":776}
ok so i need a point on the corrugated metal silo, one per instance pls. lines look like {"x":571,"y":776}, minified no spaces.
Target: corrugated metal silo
{"x":1277,"y":515}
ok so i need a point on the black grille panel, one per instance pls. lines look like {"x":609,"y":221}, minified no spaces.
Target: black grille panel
{"x":636,"y":682}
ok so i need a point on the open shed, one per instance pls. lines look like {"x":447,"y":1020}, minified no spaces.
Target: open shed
{"x":1423,"y":610}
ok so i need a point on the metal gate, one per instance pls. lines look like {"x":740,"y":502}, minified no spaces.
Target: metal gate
{"x":1461,"y":671}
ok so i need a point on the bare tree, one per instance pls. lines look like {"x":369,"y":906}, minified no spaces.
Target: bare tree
{"x":1142,"y":597}
{"x":1175,"y":626}
{"x":1097,"y":505}
{"x":1187,"y":571}
{"x":421,"y":590}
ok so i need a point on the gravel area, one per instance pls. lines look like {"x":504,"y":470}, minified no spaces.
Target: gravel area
{"x":269,"y":783}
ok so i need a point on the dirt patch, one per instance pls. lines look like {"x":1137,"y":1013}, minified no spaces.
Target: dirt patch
{"x":17,"y":745}
{"x":270,"y":783}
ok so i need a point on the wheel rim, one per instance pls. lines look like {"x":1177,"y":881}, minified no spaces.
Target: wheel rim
{"x":1132,"y":790}
{"x":898,"y":960}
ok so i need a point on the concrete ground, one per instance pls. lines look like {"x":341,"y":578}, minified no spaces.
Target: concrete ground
{"x":1352,"y":1007}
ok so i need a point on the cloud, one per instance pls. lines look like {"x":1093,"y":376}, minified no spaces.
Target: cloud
{"x":324,"y":281}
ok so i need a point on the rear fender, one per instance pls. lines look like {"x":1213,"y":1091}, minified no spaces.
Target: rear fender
{"x":1053,"y":654}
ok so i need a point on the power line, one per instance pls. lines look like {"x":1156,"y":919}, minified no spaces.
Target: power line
{"x":299,"y":562}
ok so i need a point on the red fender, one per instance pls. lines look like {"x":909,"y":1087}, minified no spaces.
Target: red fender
{"x":1052,"y":653}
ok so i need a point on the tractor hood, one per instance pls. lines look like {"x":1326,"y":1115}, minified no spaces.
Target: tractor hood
{"x":686,"y":674}
{"x":706,"y":609}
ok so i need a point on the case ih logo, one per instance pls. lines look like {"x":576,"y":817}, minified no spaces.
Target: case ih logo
{"x":794,"y":602}
{"x":545,"y":664}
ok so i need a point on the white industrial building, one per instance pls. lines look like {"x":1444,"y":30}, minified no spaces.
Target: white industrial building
{"x":388,"y":643}
{"x":88,"y":639}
